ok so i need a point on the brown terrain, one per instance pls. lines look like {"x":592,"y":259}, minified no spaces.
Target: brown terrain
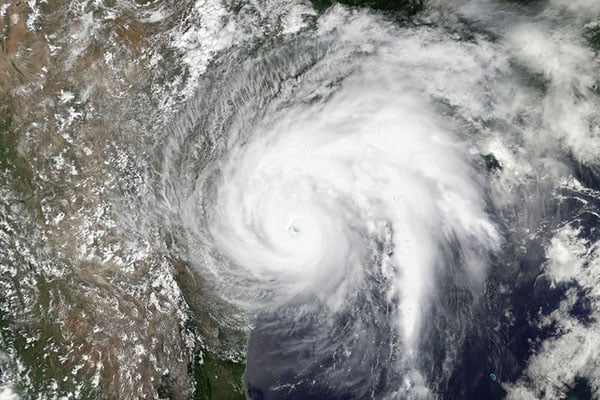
{"x":82,"y":314}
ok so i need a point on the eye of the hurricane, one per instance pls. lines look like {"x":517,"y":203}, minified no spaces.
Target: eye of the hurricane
{"x":295,"y":228}
{"x":303,"y":240}
{"x":298,"y":239}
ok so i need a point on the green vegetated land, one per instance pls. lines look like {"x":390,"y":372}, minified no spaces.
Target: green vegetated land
{"x":215,"y":377}
{"x":11,"y":163}
{"x":218,"y":379}
{"x":592,"y":35}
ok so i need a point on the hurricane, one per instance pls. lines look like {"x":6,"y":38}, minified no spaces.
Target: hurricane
{"x":376,"y":202}
{"x":339,"y":188}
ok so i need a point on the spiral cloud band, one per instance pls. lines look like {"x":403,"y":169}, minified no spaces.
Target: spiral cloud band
{"x":303,"y":202}
{"x":337,"y":175}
